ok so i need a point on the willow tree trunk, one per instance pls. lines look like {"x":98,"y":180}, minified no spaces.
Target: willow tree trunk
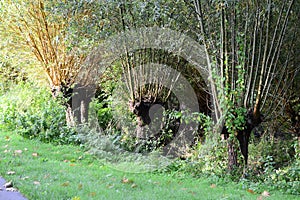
{"x":141,"y":110}
{"x":81,"y":98}
{"x":64,"y":93}
{"x":243,"y":137}
{"x":232,"y":154}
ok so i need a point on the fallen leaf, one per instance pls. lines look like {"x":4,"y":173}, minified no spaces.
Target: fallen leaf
{"x":6,"y":151}
{"x":126,"y":180}
{"x":250,"y":191}
{"x":66,"y":161}
{"x":18,"y":151}
{"x":10,"y":172}
{"x":134,"y":185}
{"x":65,"y":184}
{"x":265,"y":194}
{"x":7,"y":138}
{"x":8,"y":184}
{"x":36,"y":183}
{"x":72,"y":164}
{"x":213,"y":186}
{"x":25,"y":177}
{"x":11,"y":189}
{"x":35,"y":154}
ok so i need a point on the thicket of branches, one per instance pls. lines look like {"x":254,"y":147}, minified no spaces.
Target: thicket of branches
{"x":250,"y":53}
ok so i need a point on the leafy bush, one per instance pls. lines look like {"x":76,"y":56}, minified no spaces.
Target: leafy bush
{"x":274,"y":163}
{"x":209,"y":158}
{"x":286,"y":179}
{"x":35,"y":114}
{"x":270,"y":154}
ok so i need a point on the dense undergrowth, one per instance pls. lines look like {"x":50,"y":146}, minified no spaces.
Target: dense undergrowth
{"x":33,"y":113}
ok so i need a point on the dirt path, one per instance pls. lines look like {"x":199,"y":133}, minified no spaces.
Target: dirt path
{"x":6,"y":194}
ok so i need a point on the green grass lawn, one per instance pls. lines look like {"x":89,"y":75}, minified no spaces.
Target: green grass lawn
{"x":44,"y":171}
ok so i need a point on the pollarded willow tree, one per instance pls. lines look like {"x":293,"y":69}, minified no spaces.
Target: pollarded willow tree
{"x":136,"y":66}
{"x":248,"y":54}
{"x":46,"y":37}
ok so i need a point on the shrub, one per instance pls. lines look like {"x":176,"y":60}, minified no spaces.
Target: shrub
{"x":274,"y":163}
{"x":103,"y":111}
{"x":32,"y":112}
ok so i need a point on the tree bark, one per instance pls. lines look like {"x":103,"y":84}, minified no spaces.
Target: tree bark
{"x":141,"y":110}
{"x":252,"y":120}
{"x":82,"y":96}
{"x":243,"y":138}
{"x":64,"y":93}
{"x":232,"y":154}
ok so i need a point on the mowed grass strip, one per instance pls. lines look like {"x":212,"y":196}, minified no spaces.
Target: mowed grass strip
{"x":44,"y":171}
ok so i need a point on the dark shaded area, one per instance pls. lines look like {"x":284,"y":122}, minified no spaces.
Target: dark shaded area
{"x":243,"y":137}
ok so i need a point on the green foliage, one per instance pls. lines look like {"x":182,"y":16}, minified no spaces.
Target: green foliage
{"x":90,"y":22}
{"x":274,"y":162}
{"x":103,"y":111}
{"x":185,"y":117}
{"x":284,"y":180}
{"x":235,"y":119}
{"x":68,"y":172}
{"x":273,"y":166}
{"x":33,"y":113}
{"x":277,"y":153}
{"x":209,"y":158}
